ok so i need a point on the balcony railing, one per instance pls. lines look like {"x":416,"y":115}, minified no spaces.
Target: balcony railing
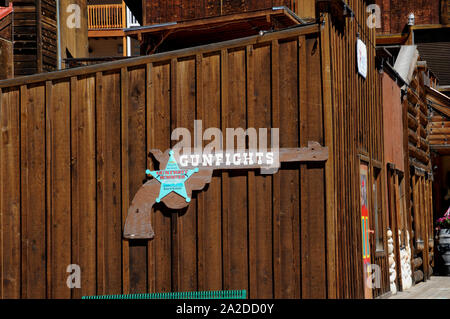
{"x":131,"y":19}
{"x":105,"y":16}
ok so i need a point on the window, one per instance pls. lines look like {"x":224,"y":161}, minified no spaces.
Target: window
{"x":378,"y":211}
{"x":402,"y":211}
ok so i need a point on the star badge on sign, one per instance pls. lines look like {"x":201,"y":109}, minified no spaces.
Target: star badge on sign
{"x":172,"y":179}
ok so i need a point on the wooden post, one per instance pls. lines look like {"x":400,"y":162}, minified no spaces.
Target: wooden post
{"x":329,"y":166}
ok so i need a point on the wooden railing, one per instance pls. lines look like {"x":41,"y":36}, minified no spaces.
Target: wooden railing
{"x":105,"y":16}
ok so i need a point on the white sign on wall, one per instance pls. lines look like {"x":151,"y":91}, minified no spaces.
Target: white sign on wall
{"x":361,"y":55}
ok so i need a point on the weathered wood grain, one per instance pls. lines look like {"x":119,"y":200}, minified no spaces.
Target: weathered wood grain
{"x":158,"y":132}
{"x":10,"y":203}
{"x":244,"y":231}
{"x":84,"y":178}
{"x":60,"y":186}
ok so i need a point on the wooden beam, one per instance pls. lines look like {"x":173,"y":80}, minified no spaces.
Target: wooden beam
{"x":105,"y":33}
{"x":235,"y":18}
{"x":313,"y":153}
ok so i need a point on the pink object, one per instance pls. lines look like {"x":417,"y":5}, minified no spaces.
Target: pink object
{"x":4,"y":11}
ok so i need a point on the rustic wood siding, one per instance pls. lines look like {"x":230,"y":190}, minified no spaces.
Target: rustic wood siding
{"x":34,"y":32}
{"x":6,"y":27}
{"x":358,"y":136}
{"x":6,"y":59}
{"x":393,"y":123}
{"x":73,"y":153}
{"x":417,"y":145}
{"x":178,"y":10}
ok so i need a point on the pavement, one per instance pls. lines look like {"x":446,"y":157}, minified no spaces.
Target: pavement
{"x":435,"y":288}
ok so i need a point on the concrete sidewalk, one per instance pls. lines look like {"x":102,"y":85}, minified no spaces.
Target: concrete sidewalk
{"x":435,"y":288}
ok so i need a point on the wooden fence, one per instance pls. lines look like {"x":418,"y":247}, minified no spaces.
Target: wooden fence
{"x":73,"y":152}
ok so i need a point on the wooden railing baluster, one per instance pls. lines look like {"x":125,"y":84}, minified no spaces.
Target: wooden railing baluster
{"x":105,"y":16}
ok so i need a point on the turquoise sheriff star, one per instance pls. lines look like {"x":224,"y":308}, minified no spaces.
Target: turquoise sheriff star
{"x":172,"y":179}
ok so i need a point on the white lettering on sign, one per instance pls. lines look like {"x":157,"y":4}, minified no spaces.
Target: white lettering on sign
{"x":228,"y":159}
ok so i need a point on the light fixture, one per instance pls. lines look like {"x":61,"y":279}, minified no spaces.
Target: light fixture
{"x":411,"y":19}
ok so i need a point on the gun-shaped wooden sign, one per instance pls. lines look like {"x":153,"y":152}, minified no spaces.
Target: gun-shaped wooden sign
{"x":183,"y":174}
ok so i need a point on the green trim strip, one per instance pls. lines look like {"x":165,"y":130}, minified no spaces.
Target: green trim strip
{"x":219,"y":294}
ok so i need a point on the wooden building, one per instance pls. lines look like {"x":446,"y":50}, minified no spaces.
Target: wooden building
{"x":34,"y":34}
{"x":430,"y":31}
{"x":107,"y":20}
{"x":396,"y":220}
{"x":419,"y":163}
{"x":313,"y":230}
{"x":38,"y":44}
{"x":427,"y":76}
{"x":411,"y":102}
{"x":395,"y":13}
{"x":151,"y":12}
{"x":439,"y":144}
{"x":184,"y":34}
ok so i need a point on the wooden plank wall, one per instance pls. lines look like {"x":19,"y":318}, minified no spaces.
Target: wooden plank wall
{"x":358,"y":133}
{"x":420,"y":215}
{"x":6,"y":59}
{"x":439,"y":134}
{"x":6,"y":27}
{"x":34,"y":34}
{"x":74,"y":148}
{"x":178,"y":10}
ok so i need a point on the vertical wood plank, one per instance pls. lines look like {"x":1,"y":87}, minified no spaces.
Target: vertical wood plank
{"x":260,"y":186}
{"x":158,"y":137}
{"x":134,"y":152}
{"x":33,"y":191}
{"x":111,"y":269}
{"x":48,"y":179}
{"x":331,"y":217}
{"x":276,"y":184}
{"x":175,"y":258}
{"x":60,"y":175}
{"x":235,"y":183}
{"x":312,"y":180}
{"x":251,"y":183}
{"x":125,"y":179}
{"x":209,"y":204}
{"x":10,"y":205}
{"x":226,"y":260}
{"x":84,"y":183}
{"x":289,"y":197}
{"x":184,"y":108}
